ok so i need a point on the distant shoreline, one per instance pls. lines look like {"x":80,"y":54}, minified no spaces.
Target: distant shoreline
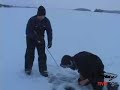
{"x":12,"y":6}
{"x":76,"y":9}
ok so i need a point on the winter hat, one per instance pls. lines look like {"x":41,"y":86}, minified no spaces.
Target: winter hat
{"x":66,"y":61}
{"x":41,"y":11}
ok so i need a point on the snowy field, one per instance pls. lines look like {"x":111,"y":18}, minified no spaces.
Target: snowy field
{"x":73,"y":32}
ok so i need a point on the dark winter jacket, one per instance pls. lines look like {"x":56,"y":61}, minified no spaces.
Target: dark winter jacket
{"x":89,"y":65}
{"x":35,"y":29}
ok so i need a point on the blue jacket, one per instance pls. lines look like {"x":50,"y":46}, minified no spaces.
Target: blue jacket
{"x":35,"y":29}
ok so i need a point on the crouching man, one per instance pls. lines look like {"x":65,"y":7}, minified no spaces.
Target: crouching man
{"x":89,"y":66}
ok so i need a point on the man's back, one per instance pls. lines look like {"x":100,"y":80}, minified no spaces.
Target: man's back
{"x":88,"y":64}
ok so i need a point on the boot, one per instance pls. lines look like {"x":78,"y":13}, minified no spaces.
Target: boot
{"x":44,"y":73}
{"x":28,"y":72}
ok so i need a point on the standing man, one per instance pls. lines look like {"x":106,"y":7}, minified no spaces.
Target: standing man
{"x":89,"y":66}
{"x":36,"y":27}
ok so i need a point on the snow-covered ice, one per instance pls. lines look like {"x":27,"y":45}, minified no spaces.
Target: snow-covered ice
{"x":73,"y":32}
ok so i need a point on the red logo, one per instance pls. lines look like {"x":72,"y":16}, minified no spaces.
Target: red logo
{"x":102,"y":83}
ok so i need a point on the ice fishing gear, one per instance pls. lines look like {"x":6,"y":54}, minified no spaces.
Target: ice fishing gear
{"x":111,"y":76}
{"x":52,"y":57}
{"x":112,"y":86}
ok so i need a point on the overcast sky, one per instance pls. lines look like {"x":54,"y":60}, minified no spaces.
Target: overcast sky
{"x":91,"y":4}
{"x":105,"y":4}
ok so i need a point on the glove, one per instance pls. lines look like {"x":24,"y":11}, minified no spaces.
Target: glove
{"x":84,"y":82}
{"x":49,"y":44}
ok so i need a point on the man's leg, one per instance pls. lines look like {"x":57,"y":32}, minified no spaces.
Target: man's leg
{"x":29,"y":55}
{"x":95,"y":84}
{"x":42,"y":59}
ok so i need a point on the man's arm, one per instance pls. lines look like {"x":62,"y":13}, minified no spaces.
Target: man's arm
{"x":30,"y":30}
{"x":49,"y":33}
{"x":28,"y":27}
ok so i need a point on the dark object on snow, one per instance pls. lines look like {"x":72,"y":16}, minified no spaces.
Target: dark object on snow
{"x":112,"y":86}
{"x":35,"y":30}
{"x":88,"y":65}
{"x":111,"y":76}
{"x":69,"y":88}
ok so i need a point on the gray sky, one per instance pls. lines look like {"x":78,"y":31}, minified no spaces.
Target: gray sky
{"x":91,"y":4}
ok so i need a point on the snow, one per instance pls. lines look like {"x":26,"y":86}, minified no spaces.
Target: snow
{"x":73,"y":32}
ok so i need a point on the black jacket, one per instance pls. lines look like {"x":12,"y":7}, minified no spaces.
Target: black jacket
{"x":35,"y":29}
{"x":89,"y":65}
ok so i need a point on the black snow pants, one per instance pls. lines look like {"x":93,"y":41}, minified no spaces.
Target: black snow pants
{"x":30,"y":53}
{"x":95,"y":84}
